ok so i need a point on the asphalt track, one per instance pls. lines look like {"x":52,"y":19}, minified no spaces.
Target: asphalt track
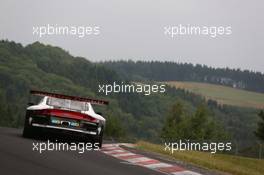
{"x":17,"y":158}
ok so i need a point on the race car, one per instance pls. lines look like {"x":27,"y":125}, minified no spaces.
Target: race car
{"x":67,"y":114}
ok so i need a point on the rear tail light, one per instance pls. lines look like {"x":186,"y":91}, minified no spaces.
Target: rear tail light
{"x":91,"y":119}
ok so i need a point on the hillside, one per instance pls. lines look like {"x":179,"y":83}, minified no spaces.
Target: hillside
{"x":223,"y":94}
{"x":173,"y":71}
{"x":129,"y":115}
{"x":44,"y":67}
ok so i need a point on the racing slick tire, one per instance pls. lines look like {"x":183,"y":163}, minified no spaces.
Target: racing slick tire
{"x":29,"y":131}
{"x":98,"y":140}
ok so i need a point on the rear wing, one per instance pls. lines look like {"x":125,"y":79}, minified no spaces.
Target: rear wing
{"x":90,"y":100}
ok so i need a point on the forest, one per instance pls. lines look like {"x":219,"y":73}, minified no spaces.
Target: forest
{"x":167,"y":71}
{"x":130,"y":116}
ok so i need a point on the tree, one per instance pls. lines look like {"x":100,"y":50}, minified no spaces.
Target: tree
{"x":172,"y":127}
{"x":200,"y":125}
{"x":260,"y":130}
{"x":114,"y":127}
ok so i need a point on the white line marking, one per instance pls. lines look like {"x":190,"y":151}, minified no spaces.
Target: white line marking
{"x":139,"y":159}
{"x":186,"y":173}
{"x":157,"y":165}
{"x":120,"y":155}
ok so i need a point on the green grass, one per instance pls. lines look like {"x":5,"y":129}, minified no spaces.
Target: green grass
{"x":225,"y":163}
{"x":223,"y":94}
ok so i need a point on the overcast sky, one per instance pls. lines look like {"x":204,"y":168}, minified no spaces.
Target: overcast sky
{"x":134,"y":29}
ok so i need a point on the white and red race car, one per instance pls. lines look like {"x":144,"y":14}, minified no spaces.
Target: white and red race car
{"x":69,"y":114}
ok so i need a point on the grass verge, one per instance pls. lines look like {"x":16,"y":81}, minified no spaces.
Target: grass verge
{"x":226,"y":163}
{"x":223,"y":94}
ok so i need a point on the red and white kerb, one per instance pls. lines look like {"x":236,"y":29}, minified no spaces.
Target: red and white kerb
{"x":140,"y":160}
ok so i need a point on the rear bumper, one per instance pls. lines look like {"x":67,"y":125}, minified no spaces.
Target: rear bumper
{"x":63,"y":124}
{"x":64,"y":128}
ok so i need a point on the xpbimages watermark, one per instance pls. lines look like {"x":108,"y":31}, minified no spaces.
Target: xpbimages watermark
{"x":187,"y":145}
{"x":145,"y":89}
{"x":80,"y":147}
{"x":79,"y":31}
{"x":173,"y":31}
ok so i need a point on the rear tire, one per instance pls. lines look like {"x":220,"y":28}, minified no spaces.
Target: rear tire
{"x":98,"y":140}
{"x":29,"y":131}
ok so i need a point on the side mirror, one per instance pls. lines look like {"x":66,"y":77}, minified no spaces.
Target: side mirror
{"x":30,"y":104}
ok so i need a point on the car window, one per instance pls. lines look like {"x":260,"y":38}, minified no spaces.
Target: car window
{"x":69,"y":104}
